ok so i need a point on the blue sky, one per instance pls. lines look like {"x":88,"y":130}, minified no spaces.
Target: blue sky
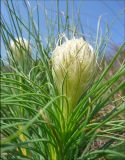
{"x":111,"y":12}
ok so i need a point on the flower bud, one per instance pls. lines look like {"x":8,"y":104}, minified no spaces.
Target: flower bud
{"x":19,"y":48}
{"x":73,"y":65}
{"x":21,"y":54}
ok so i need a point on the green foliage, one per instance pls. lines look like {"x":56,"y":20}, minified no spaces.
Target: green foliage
{"x":33,"y":126}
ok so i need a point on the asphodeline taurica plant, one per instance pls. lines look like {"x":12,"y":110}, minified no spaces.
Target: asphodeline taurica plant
{"x":73,"y":66}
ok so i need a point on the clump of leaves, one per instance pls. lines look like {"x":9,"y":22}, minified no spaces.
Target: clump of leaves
{"x":33,"y":123}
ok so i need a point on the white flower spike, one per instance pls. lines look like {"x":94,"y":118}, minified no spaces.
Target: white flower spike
{"x":19,"y":48}
{"x":73,"y":65}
